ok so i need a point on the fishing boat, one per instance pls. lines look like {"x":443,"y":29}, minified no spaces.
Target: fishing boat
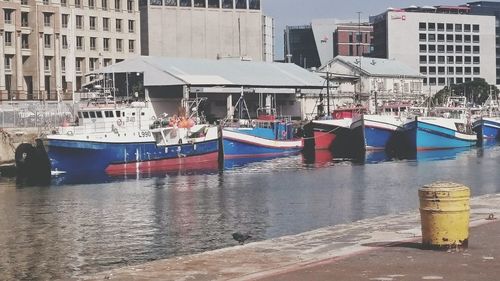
{"x":128,"y":137}
{"x":336,"y":133}
{"x":264,"y":136}
{"x":429,"y":133}
{"x":487,"y":128}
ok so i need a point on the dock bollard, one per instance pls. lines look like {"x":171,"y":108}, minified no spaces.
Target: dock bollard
{"x":444,"y":213}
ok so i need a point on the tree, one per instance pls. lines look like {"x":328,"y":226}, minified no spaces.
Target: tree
{"x":476,"y":91}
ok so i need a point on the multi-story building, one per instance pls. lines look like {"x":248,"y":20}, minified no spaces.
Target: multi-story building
{"x":352,"y":39}
{"x":493,"y":9}
{"x":47,"y":46}
{"x":316,"y":44}
{"x":448,"y":45}
{"x":202,"y":28}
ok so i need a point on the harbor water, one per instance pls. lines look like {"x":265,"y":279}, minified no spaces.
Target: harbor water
{"x":94,"y":223}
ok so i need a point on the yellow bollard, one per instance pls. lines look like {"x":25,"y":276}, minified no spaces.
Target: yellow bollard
{"x":444,"y":212}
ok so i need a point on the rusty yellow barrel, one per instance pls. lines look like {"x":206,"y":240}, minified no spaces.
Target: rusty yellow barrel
{"x":444,"y":211}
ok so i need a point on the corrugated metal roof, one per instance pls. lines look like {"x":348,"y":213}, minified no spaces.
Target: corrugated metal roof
{"x":161,"y":71}
{"x":379,"y":67}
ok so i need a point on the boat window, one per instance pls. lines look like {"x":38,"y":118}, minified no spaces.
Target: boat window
{"x":133,"y":113}
{"x":123,"y":113}
{"x":108,"y":114}
{"x":142,"y":114}
{"x":99,"y":114}
{"x":118,"y":113}
{"x":80,"y":114}
{"x":92,"y":114}
{"x":85,"y":114}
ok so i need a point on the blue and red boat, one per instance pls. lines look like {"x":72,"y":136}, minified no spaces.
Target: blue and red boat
{"x":487,"y":128}
{"x":128,"y":138}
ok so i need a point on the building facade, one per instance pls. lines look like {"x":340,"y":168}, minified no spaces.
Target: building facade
{"x":316,"y":44}
{"x":353,"y":40}
{"x":47,"y":46}
{"x":202,"y":28}
{"x":447,"y":45}
{"x":492,"y":9}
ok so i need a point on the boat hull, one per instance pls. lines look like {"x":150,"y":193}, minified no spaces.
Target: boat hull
{"x":487,"y":128}
{"x":436,"y":133}
{"x":379,"y":130}
{"x":77,"y":156}
{"x":241,"y":144}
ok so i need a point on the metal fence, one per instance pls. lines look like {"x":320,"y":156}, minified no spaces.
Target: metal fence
{"x":35,"y":114}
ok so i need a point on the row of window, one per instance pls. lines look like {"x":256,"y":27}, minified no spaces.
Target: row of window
{"x":441,"y":81}
{"x":449,"y":27}
{"x":93,"y":23}
{"x":225,"y":4}
{"x":423,"y":48}
{"x":104,"y":114}
{"x":432,"y":70}
{"x":450,"y":59}
{"x":104,"y":5}
{"x":93,"y":63}
{"x":448,"y":38}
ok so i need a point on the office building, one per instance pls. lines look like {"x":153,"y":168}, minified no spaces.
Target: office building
{"x":448,"y":45}
{"x":47,"y":46}
{"x":202,"y":28}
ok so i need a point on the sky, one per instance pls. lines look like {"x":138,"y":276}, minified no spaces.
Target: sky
{"x":301,"y":12}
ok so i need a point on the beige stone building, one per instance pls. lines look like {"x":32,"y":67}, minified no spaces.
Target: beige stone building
{"x":202,"y":28}
{"x":47,"y":46}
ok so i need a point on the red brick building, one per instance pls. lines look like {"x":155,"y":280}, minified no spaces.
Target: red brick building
{"x":352,"y":39}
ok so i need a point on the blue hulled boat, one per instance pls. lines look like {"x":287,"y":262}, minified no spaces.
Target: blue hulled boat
{"x":428,"y":133}
{"x":487,"y":128}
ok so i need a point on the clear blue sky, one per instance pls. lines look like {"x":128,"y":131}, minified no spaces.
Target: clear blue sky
{"x":300,"y":12}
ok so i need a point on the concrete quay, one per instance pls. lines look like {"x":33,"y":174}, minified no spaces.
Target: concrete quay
{"x":384,"y":248}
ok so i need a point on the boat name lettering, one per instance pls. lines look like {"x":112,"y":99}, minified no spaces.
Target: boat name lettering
{"x":144,"y":134}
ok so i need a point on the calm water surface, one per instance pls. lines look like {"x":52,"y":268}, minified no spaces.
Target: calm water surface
{"x":70,"y":228}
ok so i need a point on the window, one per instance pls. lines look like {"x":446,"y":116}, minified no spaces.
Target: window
{"x":104,"y":5}
{"x":131,"y":46}
{"x":467,"y":49}
{"x":213,"y":4}
{"x":460,"y":80}
{"x":8,"y":63}
{"x":440,"y":37}
{"x":459,"y":59}
{"x":24,"y":2}
{"x":432,"y":59}
{"x":254,"y":4}
{"x":46,"y":64}
{"x":119,"y":47}
{"x":468,"y":71}
{"x":422,"y":26}
{"x":199,"y":3}
{"x":92,"y":23}
{"x":441,"y":81}
{"x":432,"y":70}
{"x":467,"y":38}
{"x":79,"y":42}
{"x":475,"y":38}
{"x":449,"y":38}
{"x":105,"y":24}
{"x":105,"y":44}
{"x":91,"y":4}
{"x":93,"y":43}
{"x":451,"y":70}
{"x":422,"y":37}
{"x":185,"y":3}
{"x":475,"y":28}
{"x":47,"y":40}
{"x":107,"y":62}
{"x":157,"y":3}
{"x":449,"y":48}
{"x":118,"y":25}
{"x":458,"y":49}
{"x":93,"y":62}
{"x":78,"y":3}
{"x":467,"y":27}
{"x":423,"y":48}
{"x":24,"y":19}
{"x":440,"y":48}
{"x":25,"y":44}
{"x":458,"y":27}
{"x":8,"y":38}
{"x":432,"y":81}
{"x":441,"y":70}
{"x":79,"y":22}
{"x":45,"y":2}
{"x":64,"y":3}
{"x":475,"y":49}
{"x":440,"y":26}
{"x":130,"y":5}
{"x":431,"y":26}
{"x":78,"y":65}
{"x":476,"y":70}
{"x":131,"y":26}
{"x":171,"y":2}
{"x":64,"y":20}
{"x":241,"y":4}
{"x":227,"y":4}
{"x":47,"y":19}
{"x":476,"y":60}
{"x":449,"y":27}
{"x":64,"y":42}
{"x":423,"y":59}
{"x":8,"y":16}
{"x":63,"y":63}
{"x":451,"y":59}
{"x":432,"y":48}
{"x":458,"y":38}
{"x":423,"y":70}
{"x":117,"y":5}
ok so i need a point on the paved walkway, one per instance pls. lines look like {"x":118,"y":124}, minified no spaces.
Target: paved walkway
{"x":384,"y":249}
